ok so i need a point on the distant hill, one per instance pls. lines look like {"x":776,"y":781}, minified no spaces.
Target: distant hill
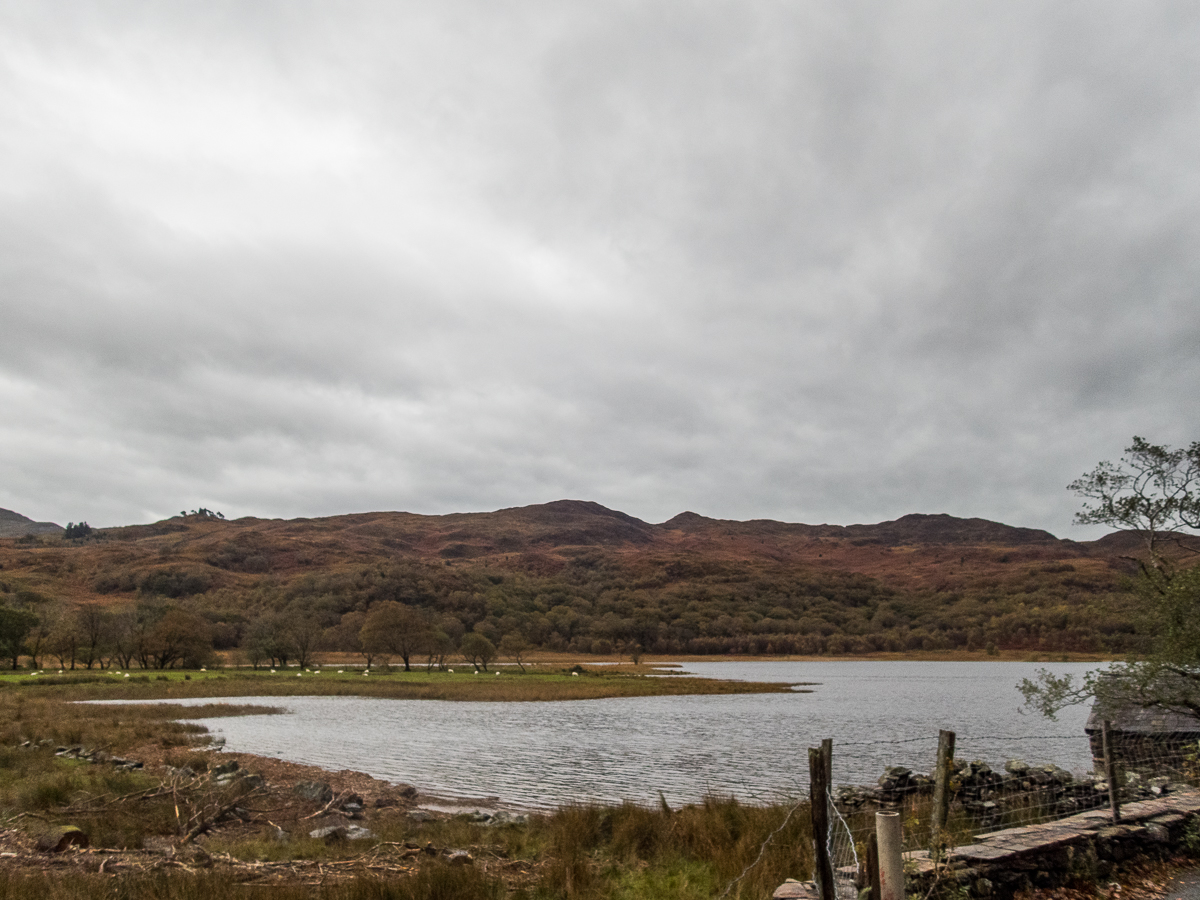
{"x":16,"y":525}
{"x":911,"y":529}
{"x":573,"y":574}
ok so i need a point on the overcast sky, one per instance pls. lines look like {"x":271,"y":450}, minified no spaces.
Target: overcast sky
{"x":830,"y":261}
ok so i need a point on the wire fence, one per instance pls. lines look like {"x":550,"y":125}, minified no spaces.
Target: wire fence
{"x":987,"y":797}
{"x":981,"y":797}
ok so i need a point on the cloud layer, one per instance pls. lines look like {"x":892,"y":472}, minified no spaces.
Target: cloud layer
{"x":822,"y":262}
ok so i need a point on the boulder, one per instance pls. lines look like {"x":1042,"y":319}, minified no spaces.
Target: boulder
{"x":506,"y":818}
{"x":332,"y":834}
{"x":1017,"y":767}
{"x":316,"y":791}
{"x":352,"y":804}
{"x":59,"y":839}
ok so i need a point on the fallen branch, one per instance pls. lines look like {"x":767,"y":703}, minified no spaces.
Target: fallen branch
{"x":207,"y":822}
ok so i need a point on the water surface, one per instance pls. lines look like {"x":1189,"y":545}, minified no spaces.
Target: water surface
{"x":753,"y":746}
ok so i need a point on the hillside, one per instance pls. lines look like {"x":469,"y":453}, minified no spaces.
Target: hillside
{"x":16,"y":525}
{"x":576,"y":575}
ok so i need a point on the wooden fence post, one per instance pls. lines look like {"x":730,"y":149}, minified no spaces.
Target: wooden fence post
{"x":941,"y":794}
{"x":872,"y":874}
{"x":1110,"y":771}
{"x":819,"y":802}
{"x":891,"y":861}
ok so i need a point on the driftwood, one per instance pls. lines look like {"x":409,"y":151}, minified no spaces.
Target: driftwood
{"x":205,"y":822}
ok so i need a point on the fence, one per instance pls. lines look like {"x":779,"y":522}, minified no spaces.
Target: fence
{"x":963,"y":799}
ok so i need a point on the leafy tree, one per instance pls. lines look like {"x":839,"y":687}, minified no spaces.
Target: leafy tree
{"x":269,"y":638}
{"x":477,"y":650}
{"x":438,"y":645}
{"x":306,"y":624}
{"x":15,"y":625}
{"x":77,"y":530}
{"x":346,"y":635}
{"x":127,"y":633}
{"x":96,"y":628}
{"x":1154,"y":491}
{"x":179,"y":637}
{"x":65,"y":636}
{"x":395,"y":629}
{"x":35,"y":640}
{"x":516,"y":648}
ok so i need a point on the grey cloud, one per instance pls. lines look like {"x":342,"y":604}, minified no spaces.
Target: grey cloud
{"x":822,"y":263}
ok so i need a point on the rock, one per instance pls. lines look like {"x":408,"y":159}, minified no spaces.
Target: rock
{"x":316,"y":791}
{"x":420,"y":815}
{"x":59,"y":839}
{"x":1059,"y":775}
{"x":330,"y":834}
{"x":254,"y":780}
{"x":1017,"y":767}
{"x":226,"y":768}
{"x":278,"y":835}
{"x":507,"y":818}
{"x":409,"y":792}
{"x":796,"y":890}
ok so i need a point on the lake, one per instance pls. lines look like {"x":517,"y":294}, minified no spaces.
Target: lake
{"x":752,"y":746}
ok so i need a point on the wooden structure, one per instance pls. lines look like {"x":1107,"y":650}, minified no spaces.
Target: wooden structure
{"x":1143,"y":739}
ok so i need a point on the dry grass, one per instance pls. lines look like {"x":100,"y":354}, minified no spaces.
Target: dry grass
{"x":576,"y":852}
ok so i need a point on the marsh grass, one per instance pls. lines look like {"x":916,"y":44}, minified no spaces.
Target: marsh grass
{"x":634,"y":851}
{"x":436,"y":882}
{"x":461,"y":685}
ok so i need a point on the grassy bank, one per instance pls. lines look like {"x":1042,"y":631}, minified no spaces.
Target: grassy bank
{"x":138,"y":823}
{"x":578,"y":684}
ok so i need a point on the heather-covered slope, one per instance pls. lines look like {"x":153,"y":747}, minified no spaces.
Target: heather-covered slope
{"x":576,"y":575}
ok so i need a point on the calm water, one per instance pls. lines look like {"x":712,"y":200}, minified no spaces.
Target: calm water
{"x":751,"y":746}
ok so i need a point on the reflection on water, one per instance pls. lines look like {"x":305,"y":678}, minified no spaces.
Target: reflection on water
{"x":752,"y":746}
